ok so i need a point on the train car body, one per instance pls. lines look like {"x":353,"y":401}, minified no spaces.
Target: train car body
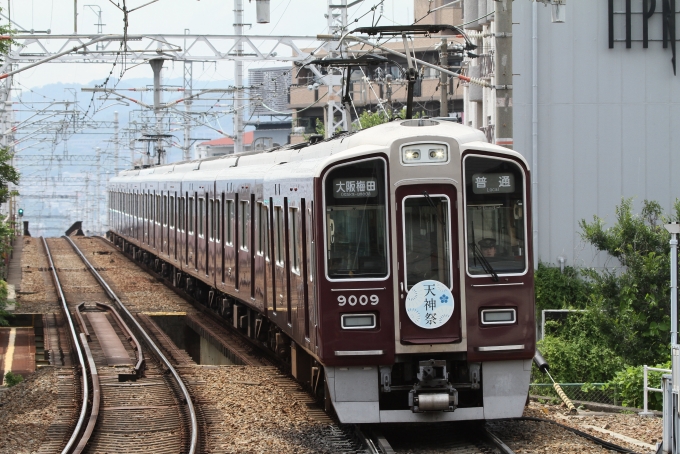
{"x":391,"y":267}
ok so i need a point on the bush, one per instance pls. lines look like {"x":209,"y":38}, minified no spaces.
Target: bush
{"x":560,"y":290}
{"x":630,"y":383}
{"x":578,"y":360}
{"x":13,"y":379}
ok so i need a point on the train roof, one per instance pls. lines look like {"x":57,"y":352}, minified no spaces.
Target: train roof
{"x":305,"y":160}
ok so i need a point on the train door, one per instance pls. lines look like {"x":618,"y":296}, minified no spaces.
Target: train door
{"x":172,"y":233}
{"x":202,"y":237}
{"x":427,"y":244}
{"x":280,"y":298}
{"x":295,"y":268}
{"x":182,"y":228}
{"x":191,"y":235}
{"x":243,"y":247}
{"x":165,"y":234}
{"x":261,"y":258}
{"x":229,"y":260}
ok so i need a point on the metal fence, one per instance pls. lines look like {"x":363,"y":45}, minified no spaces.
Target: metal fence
{"x":588,"y":392}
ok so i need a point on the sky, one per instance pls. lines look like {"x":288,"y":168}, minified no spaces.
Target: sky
{"x":210,"y":17}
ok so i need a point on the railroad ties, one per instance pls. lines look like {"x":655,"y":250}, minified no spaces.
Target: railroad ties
{"x":139,"y":408}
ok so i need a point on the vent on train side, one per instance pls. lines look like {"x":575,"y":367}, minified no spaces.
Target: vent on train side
{"x":419,"y":122}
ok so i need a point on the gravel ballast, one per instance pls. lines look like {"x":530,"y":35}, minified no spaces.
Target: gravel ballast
{"x":27,"y":411}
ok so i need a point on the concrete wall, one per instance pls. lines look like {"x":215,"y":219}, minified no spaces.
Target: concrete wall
{"x":608,"y":119}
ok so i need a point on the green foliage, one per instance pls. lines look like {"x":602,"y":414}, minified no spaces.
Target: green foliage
{"x":578,"y":359}
{"x":3,"y":304}
{"x":13,"y":379}
{"x":560,"y":290}
{"x":8,"y":174}
{"x":629,"y":305}
{"x":630,"y":385}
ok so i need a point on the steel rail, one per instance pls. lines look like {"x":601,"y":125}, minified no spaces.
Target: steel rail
{"x":96,"y":398}
{"x":76,"y":345}
{"x":185,"y":392}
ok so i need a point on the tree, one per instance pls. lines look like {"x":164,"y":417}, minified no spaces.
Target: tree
{"x":8,"y":174}
{"x":629,"y":305}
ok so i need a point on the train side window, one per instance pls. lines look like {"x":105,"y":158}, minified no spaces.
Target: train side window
{"x":216,"y":220}
{"x":211,"y":223}
{"x":229,"y":223}
{"x":180,"y":213}
{"x":201,"y":217}
{"x":165,"y":210}
{"x":158,"y":210}
{"x":261,"y":228}
{"x":172,"y":212}
{"x":243,"y":221}
{"x":190,"y":227}
{"x":294,"y":243}
{"x":278,"y":235}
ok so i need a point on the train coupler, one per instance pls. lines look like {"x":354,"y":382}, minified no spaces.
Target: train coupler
{"x":433,"y":392}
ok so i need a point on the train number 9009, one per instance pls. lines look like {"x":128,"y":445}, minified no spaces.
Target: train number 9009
{"x":363,"y":300}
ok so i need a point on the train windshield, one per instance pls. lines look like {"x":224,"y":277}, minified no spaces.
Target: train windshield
{"x":426,"y":239}
{"x":356,"y":234}
{"x":495,"y":216}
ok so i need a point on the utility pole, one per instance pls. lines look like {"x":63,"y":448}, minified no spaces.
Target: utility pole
{"x":97,"y":205}
{"x":444,"y":79}
{"x":75,"y":17}
{"x":188,"y":86}
{"x":238,"y":77}
{"x":116,"y":144}
{"x":503,"y":65}
{"x":157,"y":66}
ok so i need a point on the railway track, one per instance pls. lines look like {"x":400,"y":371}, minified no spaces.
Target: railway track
{"x":456,"y":438}
{"x":132,"y":398}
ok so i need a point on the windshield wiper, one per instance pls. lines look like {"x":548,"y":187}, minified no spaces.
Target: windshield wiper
{"x":485,"y":263}
{"x":436,"y":212}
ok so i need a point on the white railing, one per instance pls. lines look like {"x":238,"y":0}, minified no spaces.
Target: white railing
{"x":646,"y":388}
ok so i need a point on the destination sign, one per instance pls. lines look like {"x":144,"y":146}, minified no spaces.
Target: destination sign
{"x":485,"y":183}
{"x":355,"y":187}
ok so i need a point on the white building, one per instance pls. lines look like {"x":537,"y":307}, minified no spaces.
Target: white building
{"x":596,"y":114}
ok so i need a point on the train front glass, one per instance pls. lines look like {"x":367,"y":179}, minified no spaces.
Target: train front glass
{"x":356,"y":234}
{"x":496,"y":225}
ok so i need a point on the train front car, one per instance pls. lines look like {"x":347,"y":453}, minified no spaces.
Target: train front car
{"x":425,"y":285}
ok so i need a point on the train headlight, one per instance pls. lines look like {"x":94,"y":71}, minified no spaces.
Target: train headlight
{"x":358,"y":321}
{"x":499,"y":316}
{"x":411,"y":155}
{"x":438,"y":154}
{"x":424,"y":154}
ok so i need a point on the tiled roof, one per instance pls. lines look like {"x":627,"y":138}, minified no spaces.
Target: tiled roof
{"x":226,"y":141}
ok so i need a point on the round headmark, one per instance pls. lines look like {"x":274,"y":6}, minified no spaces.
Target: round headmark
{"x":429,"y":304}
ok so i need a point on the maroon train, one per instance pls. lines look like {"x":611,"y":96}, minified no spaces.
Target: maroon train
{"x":392,"y":267}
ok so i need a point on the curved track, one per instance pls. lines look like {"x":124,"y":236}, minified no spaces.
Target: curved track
{"x":128,"y":406}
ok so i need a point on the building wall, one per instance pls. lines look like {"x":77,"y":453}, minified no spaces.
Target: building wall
{"x":608,"y":120}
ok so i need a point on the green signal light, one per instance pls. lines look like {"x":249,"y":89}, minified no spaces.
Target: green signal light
{"x":21,"y":211}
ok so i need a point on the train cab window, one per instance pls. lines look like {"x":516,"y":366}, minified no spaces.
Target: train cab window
{"x":495,"y":216}
{"x":294,"y":243}
{"x":355,"y":221}
{"x":278,"y":235}
{"x":201,"y":217}
{"x":243,"y":222}
{"x":229,"y":223}
{"x":427,"y":242}
{"x":191,"y":220}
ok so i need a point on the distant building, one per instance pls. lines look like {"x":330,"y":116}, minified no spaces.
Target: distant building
{"x":378,"y":87}
{"x":222,"y":146}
